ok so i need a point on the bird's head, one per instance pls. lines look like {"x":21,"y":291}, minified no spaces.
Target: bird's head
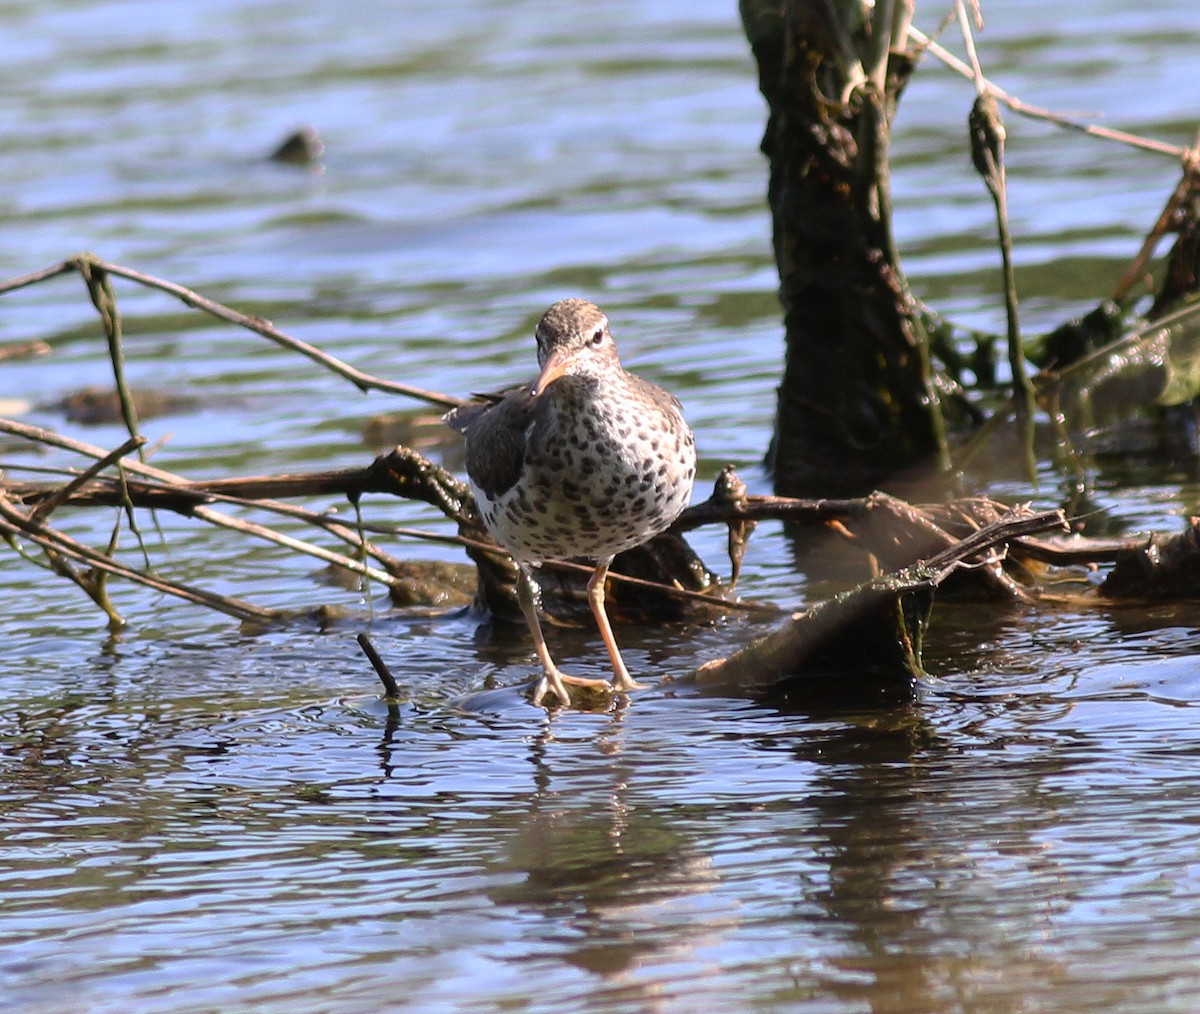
{"x":573,"y":338}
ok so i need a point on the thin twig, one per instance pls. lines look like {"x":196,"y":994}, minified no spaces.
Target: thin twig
{"x":637,"y":582}
{"x":203,"y":493}
{"x":879,"y":43}
{"x":47,"y":506}
{"x":34,"y":277}
{"x":100,"y":289}
{"x":13,"y":523}
{"x":206,"y":513}
{"x":1018,"y":523}
{"x":390,"y":687}
{"x":988,"y":138}
{"x":1187,"y":186}
{"x":363,"y":381}
{"x":1037,"y":113}
{"x":981,"y":83}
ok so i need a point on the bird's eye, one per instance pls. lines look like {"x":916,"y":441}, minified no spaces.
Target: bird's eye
{"x":598,"y":337}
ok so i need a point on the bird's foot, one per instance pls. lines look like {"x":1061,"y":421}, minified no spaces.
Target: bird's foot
{"x":623,"y":684}
{"x":579,"y":681}
{"x":556,"y":683}
{"x":553,"y":687}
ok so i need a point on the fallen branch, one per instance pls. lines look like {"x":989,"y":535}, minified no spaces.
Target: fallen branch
{"x":170,"y":492}
{"x":888,"y":529}
{"x":45,"y":507}
{"x":93,"y":270}
{"x":15,"y":524}
{"x":871,"y":633}
{"x":391,"y":689}
{"x":891,"y":530}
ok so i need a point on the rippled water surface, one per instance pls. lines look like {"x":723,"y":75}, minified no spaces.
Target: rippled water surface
{"x":194,"y":818}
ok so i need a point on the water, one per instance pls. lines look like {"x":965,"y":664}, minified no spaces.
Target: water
{"x":197,"y":819}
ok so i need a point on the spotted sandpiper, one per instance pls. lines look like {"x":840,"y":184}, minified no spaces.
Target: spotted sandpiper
{"x":586,"y":461}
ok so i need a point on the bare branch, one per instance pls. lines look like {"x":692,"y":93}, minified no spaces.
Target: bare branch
{"x":1037,"y":113}
{"x":18,"y":525}
{"x":45,"y":507}
{"x":87,"y":265}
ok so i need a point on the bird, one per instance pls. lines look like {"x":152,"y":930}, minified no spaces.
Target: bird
{"x":587,"y":460}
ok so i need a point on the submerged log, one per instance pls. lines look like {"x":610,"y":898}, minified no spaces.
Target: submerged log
{"x":1161,"y":567}
{"x":867,"y":637}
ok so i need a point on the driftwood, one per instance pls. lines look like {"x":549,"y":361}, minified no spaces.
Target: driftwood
{"x":869,"y":636}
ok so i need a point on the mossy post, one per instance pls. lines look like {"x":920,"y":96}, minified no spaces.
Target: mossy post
{"x":856,"y":403}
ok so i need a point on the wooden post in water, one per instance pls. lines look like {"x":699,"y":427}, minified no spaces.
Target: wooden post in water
{"x":857,"y":402}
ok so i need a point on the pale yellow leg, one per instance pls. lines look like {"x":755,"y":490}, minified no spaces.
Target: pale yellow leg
{"x":553,"y":678}
{"x":595,"y":590}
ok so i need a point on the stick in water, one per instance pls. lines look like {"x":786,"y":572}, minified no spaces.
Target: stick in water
{"x":391,"y":689}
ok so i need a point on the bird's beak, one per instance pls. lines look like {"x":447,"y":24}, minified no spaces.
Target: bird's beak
{"x":556,"y":365}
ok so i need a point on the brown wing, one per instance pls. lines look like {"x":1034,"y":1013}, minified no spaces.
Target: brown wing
{"x":495,"y":439}
{"x":460,"y":419}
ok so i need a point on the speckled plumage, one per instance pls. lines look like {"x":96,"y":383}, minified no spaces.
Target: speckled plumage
{"x":587,"y":461}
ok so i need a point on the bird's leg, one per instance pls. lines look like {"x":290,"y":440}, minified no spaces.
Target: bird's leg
{"x":595,"y":590}
{"x":553,"y":678}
